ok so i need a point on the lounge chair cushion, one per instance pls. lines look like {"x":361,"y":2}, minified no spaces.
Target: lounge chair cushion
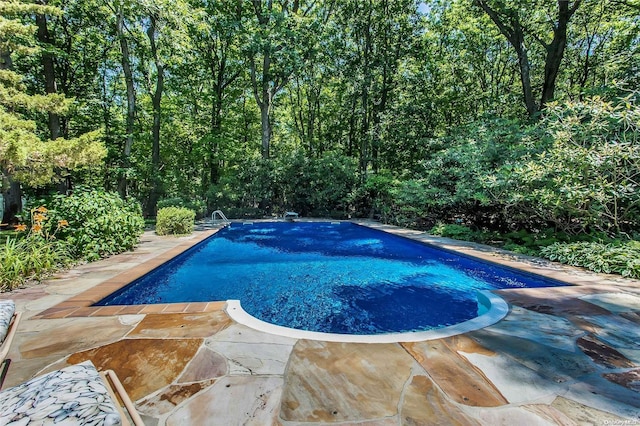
{"x":73,"y":395}
{"x":7,"y":309}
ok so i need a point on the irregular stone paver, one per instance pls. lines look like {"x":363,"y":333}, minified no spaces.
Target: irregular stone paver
{"x":335,"y":382}
{"x":86,"y":332}
{"x":603,"y":354}
{"x":628,"y":379}
{"x":22,"y":370}
{"x":424,"y":404}
{"x":170,"y":397}
{"x":617,"y":332}
{"x":597,"y":392}
{"x":252,"y":352}
{"x":550,"y":301}
{"x":142,"y":365}
{"x":545,"y":329}
{"x":206,"y":365}
{"x":554,"y":364}
{"x":595,"y":317}
{"x":631,"y":316}
{"x":25,"y":294}
{"x":579,"y":414}
{"x":454,"y":374}
{"x":240,"y":400}
{"x":614,"y":302}
{"x":511,"y":416}
{"x":517,"y":383}
{"x":181,"y":325}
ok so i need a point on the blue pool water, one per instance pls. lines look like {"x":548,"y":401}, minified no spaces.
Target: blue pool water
{"x":338,"y":278}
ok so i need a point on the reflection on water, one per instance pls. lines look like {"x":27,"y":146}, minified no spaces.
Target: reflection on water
{"x":340,"y":278}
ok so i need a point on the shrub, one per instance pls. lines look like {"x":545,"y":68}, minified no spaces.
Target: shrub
{"x":198,"y":206}
{"x":582,"y":175}
{"x":27,"y":259}
{"x":175,"y":221}
{"x":100,"y":223}
{"x":31,"y":257}
{"x":458,"y":232}
{"x":617,"y":257}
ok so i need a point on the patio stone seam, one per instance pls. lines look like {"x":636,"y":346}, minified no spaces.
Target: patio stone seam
{"x":96,"y":293}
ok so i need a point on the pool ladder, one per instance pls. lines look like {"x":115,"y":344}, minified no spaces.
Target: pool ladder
{"x":222,"y":219}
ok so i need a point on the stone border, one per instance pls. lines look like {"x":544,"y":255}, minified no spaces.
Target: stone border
{"x":497,"y":309}
{"x":80,"y":305}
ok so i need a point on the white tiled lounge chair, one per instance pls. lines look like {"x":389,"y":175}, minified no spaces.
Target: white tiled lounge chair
{"x":9,"y":320}
{"x":75,"y":395}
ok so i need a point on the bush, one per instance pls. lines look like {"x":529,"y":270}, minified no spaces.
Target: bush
{"x":27,"y":259}
{"x":34,"y":255}
{"x":99,"y":223}
{"x":175,"y":221}
{"x":198,"y":206}
{"x":618,"y":257}
{"x":458,"y":232}
{"x":581,"y":176}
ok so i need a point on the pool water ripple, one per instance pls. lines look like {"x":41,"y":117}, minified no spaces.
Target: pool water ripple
{"x":331,"y":278}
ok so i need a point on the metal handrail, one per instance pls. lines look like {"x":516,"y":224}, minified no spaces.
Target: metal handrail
{"x":223,"y":218}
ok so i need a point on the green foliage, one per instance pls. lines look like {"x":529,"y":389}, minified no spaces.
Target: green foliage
{"x":458,"y":232}
{"x":373,"y":110}
{"x":33,"y":254}
{"x":198,"y":206}
{"x":24,"y":154}
{"x":100,"y":223}
{"x":175,"y":221}
{"x":373,"y":196}
{"x":261,"y":187}
{"x":581,"y":176}
{"x":620,"y":257}
{"x":22,"y":260}
{"x":315,"y":184}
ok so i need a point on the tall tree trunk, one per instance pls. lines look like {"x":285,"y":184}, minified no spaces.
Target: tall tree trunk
{"x":12,"y":198}
{"x":555,"y":50}
{"x":11,"y":191}
{"x":525,"y":72}
{"x":157,"y":111}
{"x":131,"y":104}
{"x":262,"y":95}
{"x":508,"y":22}
{"x":365,"y":142}
{"x":509,"y":25}
{"x":265,"y":125}
{"x":48,"y":70}
{"x":221,"y":78}
{"x":216,"y":123}
{"x":270,"y":83}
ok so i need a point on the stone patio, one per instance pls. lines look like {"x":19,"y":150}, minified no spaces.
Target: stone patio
{"x":565,"y":355}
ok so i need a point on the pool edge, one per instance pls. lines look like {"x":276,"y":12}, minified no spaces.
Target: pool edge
{"x":497,"y":309}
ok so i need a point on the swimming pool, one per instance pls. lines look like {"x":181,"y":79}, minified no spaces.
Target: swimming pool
{"x":328,"y":277}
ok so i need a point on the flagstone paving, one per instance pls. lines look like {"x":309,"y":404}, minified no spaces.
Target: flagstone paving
{"x":565,"y":355}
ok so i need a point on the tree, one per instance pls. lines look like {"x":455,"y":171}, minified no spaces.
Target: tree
{"x":120,"y":11}
{"x":24,"y":156}
{"x":156,"y":99}
{"x":48,"y":69}
{"x":281,"y":41}
{"x":514,"y":20}
{"x":217,"y":38}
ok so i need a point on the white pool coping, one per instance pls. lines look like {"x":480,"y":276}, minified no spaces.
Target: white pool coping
{"x":497,"y":309}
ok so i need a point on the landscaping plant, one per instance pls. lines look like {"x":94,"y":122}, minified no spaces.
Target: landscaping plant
{"x":33,"y":252}
{"x":175,"y":221}
{"x":100,"y":223}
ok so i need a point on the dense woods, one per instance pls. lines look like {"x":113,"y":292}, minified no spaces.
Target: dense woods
{"x":499,"y":117}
